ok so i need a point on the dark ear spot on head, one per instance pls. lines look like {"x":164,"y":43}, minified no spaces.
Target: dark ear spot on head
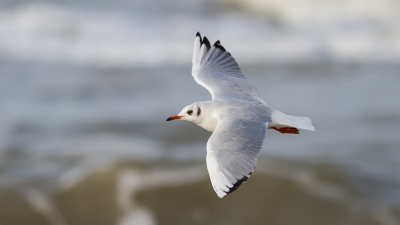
{"x":198,"y":111}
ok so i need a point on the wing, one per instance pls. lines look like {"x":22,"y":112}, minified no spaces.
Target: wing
{"x":215,"y":69}
{"x":232,"y":152}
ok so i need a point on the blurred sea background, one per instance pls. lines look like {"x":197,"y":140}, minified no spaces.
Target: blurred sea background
{"x":86,"y":87}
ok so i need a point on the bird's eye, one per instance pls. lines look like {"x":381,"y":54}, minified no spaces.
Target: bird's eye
{"x":190,"y":112}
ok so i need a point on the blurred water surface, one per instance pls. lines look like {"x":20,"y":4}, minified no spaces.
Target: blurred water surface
{"x":85,"y":88}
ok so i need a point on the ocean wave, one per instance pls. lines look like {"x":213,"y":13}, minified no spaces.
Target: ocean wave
{"x":54,"y":33}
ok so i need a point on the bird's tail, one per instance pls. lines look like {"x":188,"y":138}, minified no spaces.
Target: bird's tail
{"x":281,"y":120}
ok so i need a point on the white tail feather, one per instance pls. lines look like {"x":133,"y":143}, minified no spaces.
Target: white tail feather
{"x":280,"y":119}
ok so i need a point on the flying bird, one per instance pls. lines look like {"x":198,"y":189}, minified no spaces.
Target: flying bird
{"x":237,"y":116}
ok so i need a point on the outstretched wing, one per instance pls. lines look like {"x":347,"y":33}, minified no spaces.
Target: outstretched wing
{"x":215,"y":69}
{"x":232,"y":152}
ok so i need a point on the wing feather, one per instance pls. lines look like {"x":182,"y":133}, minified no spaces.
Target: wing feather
{"x":215,"y":69}
{"x":232,"y":152}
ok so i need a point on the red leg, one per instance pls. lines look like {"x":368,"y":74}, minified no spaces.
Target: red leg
{"x":286,"y":130}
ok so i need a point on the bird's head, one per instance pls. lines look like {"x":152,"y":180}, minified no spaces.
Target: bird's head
{"x":190,"y":113}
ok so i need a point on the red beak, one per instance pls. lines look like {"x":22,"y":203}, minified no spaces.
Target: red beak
{"x":174,"y":117}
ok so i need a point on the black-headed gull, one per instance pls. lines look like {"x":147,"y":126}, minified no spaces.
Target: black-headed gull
{"x":237,"y":116}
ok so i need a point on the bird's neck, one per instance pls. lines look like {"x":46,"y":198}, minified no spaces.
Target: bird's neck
{"x":209,"y":123}
{"x":207,"y":119}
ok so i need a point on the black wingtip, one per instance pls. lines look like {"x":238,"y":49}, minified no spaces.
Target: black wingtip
{"x":199,"y":35}
{"x":206,"y":42}
{"x":237,"y":184}
{"x":218,"y":45}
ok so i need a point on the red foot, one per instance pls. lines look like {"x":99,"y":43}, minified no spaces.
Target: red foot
{"x":286,"y":130}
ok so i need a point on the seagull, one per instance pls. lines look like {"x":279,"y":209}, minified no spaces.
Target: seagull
{"x":237,"y":116}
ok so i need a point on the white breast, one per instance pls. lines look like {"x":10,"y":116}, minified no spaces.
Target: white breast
{"x":209,"y":123}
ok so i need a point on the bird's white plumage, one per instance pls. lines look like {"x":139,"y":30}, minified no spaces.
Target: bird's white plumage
{"x":233,"y":148}
{"x":217,"y":71}
{"x":237,"y":116}
{"x":232,"y":152}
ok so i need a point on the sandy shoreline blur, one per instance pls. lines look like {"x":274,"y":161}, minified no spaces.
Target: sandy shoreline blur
{"x":281,"y":192}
